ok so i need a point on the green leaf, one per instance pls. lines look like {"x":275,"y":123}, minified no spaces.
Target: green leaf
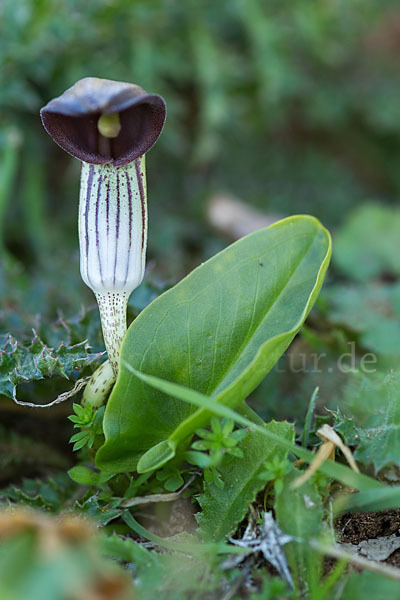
{"x":157,"y":456}
{"x":174,"y":482}
{"x":219,"y":331}
{"x":125,"y":549}
{"x":371,"y":419}
{"x":86,"y":476}
{"x":372,"y":311}
{"x":101,"y":508}
{"x":200,"y":459}
{"x":223,"y":509}
{"x":81,"y":439}
{"x":370,"y":500}
{"x":309,"y":416}
{"x":330,"y":468}
{"x":370,"y":585}
{"x":21,"y":363}
{"x":368,"y":245}
{"x":52,"y":494}
{"x":299,"y":513}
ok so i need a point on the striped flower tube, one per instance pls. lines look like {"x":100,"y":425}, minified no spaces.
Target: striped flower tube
{"x":109,"y":126}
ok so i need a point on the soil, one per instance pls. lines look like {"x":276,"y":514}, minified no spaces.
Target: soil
{"x":353,"y":528}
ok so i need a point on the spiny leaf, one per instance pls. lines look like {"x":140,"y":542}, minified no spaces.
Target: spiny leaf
{"x":22,"y":363}
{"x":83,"y":326}
{"x":371,"y":418}
{"x":51,"y":494}
{"x":102,"y":509}
{"x":127,"y":550}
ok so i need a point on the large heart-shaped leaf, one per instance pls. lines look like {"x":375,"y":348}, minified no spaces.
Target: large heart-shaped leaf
{"x":219,"y":331}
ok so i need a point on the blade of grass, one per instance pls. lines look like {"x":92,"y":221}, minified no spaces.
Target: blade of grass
{"x":309,"y":416}
{"x":358,"y":561}
{"x":377,"y":499}
{"x":329,"y":468}
{"x":331,"y":579}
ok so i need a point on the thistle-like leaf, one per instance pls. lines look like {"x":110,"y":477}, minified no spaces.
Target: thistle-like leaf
{"x":369,"y":418}
{"x":22,"y":363}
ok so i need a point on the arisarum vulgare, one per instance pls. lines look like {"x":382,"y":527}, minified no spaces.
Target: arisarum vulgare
{"x":109,"y":126}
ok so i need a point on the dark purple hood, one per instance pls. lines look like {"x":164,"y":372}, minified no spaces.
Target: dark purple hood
{"x":71,"y":120}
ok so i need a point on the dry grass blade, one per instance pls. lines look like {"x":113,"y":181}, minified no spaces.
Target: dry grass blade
{"x":156,"y":497}
{"x":358,"y":561}
{"x":330,"y":440}
{"x":61,"y":398}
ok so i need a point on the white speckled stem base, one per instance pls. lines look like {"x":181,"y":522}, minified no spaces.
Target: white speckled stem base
{"x":112,"y":306}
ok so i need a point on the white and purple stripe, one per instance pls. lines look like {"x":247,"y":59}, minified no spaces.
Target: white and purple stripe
{"x":113,"y":226}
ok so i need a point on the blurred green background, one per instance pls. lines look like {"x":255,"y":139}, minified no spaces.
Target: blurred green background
{"x":291,"y":107}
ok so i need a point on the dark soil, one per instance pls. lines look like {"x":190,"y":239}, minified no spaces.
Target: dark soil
{"x":353,"y":528}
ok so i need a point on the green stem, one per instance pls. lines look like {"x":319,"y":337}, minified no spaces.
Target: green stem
{"x":112,"y":307}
